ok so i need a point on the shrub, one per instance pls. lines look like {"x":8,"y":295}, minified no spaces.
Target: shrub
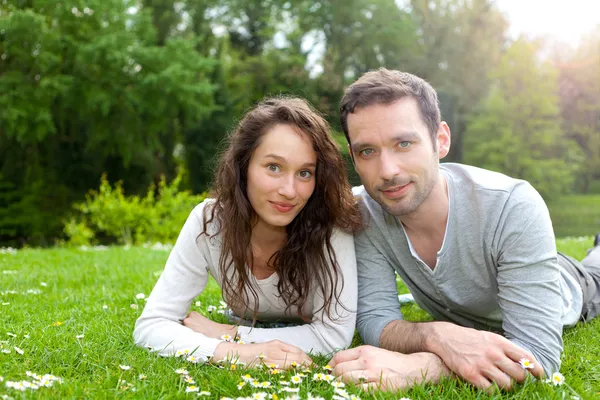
{"x":109,"y":216}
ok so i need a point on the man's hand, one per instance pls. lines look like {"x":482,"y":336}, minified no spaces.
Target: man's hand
{"x":386,"y":370}
{"x":273,"y":352}
{"x":479,"y":357}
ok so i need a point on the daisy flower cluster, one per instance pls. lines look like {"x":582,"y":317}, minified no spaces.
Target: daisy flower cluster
{"x":7,"y":348}
{"x":557,"y":379}
{"x":36,"y":381}
{"x":191,"y":383}
{"x":289,"y":384}
{"x":7,"y":250}
{"x":221,"y":309}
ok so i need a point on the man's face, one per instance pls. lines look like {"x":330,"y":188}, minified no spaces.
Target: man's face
{"x":394,"y":155}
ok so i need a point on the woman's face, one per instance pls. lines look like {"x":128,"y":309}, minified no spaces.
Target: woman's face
{"x":281,"y":175}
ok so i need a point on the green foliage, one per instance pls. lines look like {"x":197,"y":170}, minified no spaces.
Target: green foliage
{"x":579,"y":89}
{"x":575,"y":215}
{"x":108,"y":215}
{"x":88,"y":89}
{"x":517,"y":129}
{"x":137,"y":89}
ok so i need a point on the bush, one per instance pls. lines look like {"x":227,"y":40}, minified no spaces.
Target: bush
{"x":109,"y":216}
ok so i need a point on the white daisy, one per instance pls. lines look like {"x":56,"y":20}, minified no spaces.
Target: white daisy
{"x":181,"y":371}
{"x":296,"y":379}
{"x":125,"y":367}
{"x":140,"y":296}
{"x":79,"y":337}
{"x":192,"y":389}
{"x":558,"y":379}
{"x":290,"y":390}
{"x":18,"y":350}
{"x":259,"y":396}
{"x":526,"y":363}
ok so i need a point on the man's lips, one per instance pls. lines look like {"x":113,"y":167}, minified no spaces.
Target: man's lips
{"x":396,"y":191}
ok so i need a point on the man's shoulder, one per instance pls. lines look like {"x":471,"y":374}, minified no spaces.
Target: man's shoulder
{"x":487,"y":192}
{"x":480,"y":178}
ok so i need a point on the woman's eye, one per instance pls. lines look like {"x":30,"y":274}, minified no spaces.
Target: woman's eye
{"x":273,"y":168}
{"x":305,"y":174}
{"x":404,"y":144}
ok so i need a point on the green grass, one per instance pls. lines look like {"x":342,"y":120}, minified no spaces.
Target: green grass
{"x":78,"y":285}
{"x":576,"y":215}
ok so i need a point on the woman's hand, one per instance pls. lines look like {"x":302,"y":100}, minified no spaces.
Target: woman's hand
{"x":273,"y":352}
{"x":199,"y":323}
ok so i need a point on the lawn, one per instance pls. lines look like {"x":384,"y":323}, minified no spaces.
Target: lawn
{"x":70,"y":312}
{"x":575,"y":215}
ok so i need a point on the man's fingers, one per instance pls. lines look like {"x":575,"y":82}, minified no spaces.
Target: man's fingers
{"x":360,"y":376}
{"x":497,"y":376}
{"x":516,"y":354}
{"x":345,"y":355}
{"x":480,"y":382}
{"x":348,"y":366}
{"x":512,"y":369}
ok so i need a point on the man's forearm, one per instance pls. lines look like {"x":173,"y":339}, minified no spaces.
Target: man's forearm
{"x":408,"y":337}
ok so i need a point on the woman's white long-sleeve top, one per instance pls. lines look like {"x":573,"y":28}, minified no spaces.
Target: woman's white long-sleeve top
{"x":186,"y":274}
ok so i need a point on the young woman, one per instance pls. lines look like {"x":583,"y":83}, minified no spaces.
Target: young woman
{"x":277,"y":238}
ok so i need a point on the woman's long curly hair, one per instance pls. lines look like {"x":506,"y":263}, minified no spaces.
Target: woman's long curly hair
{"x":307,"y":258}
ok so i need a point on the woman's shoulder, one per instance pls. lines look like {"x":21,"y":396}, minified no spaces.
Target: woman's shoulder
{"x":341,"y":239}
{"x":203,"y":213}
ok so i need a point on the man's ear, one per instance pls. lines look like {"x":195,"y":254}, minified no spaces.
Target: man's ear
{"x":443,"y":139}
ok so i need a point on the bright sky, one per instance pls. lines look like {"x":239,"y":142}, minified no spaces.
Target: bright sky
{"x":563,"y":21}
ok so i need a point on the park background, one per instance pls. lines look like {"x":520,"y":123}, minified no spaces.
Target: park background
{"x":112,"y":113}
{"x":143,"y":92}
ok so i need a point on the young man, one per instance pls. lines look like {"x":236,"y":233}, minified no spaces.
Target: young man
{"x":476,"y":249}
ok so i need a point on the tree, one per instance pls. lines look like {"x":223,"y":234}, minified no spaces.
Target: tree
{"x":460,"y":42}
{"x":579,"y":88}
{"x":87,"y":91}
{"x":517,"y":129}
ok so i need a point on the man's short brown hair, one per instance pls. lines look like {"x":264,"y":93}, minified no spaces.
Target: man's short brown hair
{"x":386,"y":86}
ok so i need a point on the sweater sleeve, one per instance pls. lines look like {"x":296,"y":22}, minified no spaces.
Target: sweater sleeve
{"x":529,"y":277}
{"x":378,"y":303}
{"x":185,"y":276}
{"x":322,"y":335}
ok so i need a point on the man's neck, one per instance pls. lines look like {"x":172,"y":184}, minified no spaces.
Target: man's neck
{"x":431,"y":216}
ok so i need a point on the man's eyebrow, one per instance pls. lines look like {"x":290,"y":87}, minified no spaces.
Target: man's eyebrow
{"x":283,"y":160}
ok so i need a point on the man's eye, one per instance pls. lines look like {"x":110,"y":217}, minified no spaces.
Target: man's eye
{"x":366,"y":152}
{"x":404,"y":144}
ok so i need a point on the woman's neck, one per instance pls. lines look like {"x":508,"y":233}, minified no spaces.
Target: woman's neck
{"x":267,"y":237}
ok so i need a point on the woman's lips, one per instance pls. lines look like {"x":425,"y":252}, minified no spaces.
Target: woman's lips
{"x":282,"y":207}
